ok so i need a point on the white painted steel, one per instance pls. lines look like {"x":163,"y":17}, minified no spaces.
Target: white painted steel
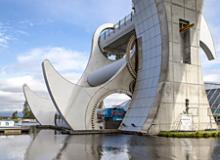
{"x":105,"y":73}
{"x":97,"y":59}
{"x":76,"y":103}
{"x":42,"y":108}
{"x":206,"y":41}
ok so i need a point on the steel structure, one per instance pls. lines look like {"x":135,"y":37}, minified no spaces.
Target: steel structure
{"x":157,"y":65}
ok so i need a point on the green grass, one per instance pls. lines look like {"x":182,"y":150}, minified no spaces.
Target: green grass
{"x":197,"y":134}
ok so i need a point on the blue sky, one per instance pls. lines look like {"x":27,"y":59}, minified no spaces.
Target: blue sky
{"x":61,"y":30}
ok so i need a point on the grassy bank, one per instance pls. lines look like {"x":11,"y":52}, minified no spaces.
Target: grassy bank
{"x":197,"y":134}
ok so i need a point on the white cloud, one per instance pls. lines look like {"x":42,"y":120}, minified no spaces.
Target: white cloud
{"x":65,"y":60}
{"x":14,"y":84}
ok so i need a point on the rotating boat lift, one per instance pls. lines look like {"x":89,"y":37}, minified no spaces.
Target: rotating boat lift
{"x":142,"y":73}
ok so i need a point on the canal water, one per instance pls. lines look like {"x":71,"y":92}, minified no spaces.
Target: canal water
{"x":46,"y":145}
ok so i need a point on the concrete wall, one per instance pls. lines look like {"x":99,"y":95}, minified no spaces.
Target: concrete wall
{"x":184,"y":81}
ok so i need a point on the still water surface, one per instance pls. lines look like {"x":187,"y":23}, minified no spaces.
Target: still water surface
{"x":46,"y":145}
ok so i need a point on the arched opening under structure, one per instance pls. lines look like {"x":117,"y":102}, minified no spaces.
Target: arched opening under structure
{"x":111,"y":110}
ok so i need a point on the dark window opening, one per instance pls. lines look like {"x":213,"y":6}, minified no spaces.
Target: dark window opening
{"x":185,"y":40}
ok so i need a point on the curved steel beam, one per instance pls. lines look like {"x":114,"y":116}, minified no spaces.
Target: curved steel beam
{"x":206,"y":41}
{"x":97,"y":58}
{"x":105,"y":73}
{"x":42,"y":108}
{"x":76,"y":102}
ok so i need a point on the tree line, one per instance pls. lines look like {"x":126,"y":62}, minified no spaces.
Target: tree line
{"x":27,"y":114}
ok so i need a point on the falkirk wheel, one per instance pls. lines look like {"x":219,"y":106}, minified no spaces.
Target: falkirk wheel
{"x":157,"y":65}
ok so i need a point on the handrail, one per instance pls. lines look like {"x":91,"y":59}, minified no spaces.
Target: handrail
{"x":117,"y":26}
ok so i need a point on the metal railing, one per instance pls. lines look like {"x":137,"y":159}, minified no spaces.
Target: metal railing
{"x":121,"y":23}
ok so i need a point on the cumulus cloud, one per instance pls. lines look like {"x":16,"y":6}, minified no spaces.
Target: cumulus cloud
{"x":65,"y":60}
{"x":29,"y":63}
{"x":14,"y":84}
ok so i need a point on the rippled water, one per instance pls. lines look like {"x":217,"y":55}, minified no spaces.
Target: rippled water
{"x":46,"y":145}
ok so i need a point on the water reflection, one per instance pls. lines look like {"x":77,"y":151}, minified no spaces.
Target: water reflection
{"x":172,"y":149}
{"x":216,"y":154}
{"x":46,"y":145}
{"x":14,"y":147}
